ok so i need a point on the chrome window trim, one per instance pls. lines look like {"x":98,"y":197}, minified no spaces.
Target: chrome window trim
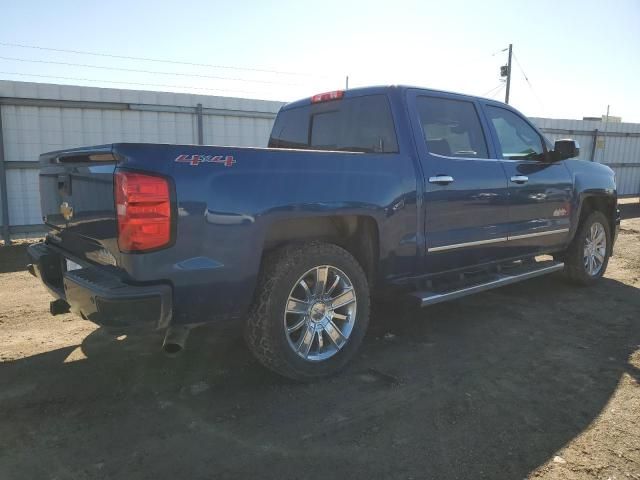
{"x":460,"y":158}
{"x":491,"y":159}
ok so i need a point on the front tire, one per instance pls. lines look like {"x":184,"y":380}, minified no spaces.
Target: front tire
{"x":587,"y":257}
{"x":311,"y":311}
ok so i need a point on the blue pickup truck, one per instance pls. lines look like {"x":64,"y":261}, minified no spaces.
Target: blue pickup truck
{"x":427,"y":194}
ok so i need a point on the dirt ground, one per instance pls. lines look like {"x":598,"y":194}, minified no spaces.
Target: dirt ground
{"x":538,"y":380}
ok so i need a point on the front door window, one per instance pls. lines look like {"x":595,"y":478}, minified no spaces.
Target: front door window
{"x":518,"y":140}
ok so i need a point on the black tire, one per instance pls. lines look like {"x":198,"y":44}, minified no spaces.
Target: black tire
{"x":574,"y":263}
{"x":265,"y":331}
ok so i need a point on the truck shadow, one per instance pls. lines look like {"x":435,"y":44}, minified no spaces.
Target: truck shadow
{"x":629,"y":210}
{"x":485,"y":387}
{"x":13,"y":258}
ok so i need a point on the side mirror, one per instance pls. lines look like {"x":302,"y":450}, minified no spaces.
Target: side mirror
{"x":565,"y":148}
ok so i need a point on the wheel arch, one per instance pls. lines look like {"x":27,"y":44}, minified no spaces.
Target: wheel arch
{"x":592,"y":202}
{"x":358,"y":234}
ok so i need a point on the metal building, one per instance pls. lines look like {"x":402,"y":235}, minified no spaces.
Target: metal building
{"x":37,"y":117}
{"x":615,"y":144}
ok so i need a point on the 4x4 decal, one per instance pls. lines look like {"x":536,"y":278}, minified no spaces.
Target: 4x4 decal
{"x":195,"y":160}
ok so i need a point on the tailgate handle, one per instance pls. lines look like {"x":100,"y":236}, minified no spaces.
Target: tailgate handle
{"x":64,"y":184}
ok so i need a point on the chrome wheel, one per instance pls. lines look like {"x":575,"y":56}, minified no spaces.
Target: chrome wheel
{"x":320,"y":313}
{"x":595,"y":249}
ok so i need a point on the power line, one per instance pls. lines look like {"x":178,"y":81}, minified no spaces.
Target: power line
{"x":493,"y":95}
{"x":130,"y":83}
{"x":521,"y":69}
{"x":499,"y":51}
{"x":155,"y":72}
{"x":151,"y":59}
{"x":497,"y":87}
{"x":488,"y":92}
{"x":528,"y":82}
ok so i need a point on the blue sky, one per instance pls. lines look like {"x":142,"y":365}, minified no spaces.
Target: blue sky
{"x":579,"y":56}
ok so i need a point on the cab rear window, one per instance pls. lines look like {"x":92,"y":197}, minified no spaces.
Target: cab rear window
{"x":359,"y":124}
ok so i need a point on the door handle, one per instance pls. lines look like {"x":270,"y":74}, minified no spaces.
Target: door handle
{"x":441,"y":179}
{"x":519,"y":179}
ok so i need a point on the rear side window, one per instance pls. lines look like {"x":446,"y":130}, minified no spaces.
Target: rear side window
{"x":359,"y":124}
{"x":452,"y":128}
{"x":291,"y":129}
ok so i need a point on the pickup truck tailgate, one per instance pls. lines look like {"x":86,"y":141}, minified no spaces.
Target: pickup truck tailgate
{"x":77,"y":200}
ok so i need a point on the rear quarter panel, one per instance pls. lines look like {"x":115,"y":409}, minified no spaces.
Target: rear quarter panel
{"x":224,"y":213}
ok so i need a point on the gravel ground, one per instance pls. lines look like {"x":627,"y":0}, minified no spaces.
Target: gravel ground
{"x":538,"y":380}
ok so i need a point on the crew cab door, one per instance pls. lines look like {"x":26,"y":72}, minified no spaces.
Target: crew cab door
{"x":465,"y":190}
{"x":539,"y":190}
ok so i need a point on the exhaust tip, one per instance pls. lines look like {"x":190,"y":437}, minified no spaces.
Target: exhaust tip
{"x":174,"y":340}
{"x":32,"y":269}
{"x":172,"y":348}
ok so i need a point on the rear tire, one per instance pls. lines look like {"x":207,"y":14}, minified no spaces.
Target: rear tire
{"x":586,"y":259}
{"x":311,"y":311}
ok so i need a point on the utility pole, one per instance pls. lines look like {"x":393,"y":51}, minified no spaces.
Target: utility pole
{"x":604,"y":138}
{"x":506,"y":95}
{"x":347,"y":83}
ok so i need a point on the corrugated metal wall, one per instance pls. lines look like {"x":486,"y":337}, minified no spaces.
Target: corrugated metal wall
{"x":614,"y":144}
{"x":37,"y":118}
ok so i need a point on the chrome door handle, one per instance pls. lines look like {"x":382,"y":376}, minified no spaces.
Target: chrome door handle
{"x":441,"y":179}
{"x":519,"y":179}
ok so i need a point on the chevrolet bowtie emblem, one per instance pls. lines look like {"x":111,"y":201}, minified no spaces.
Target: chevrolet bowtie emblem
{"x":66,"y":210}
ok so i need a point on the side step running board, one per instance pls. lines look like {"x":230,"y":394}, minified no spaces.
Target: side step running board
{"x":429,"y":298}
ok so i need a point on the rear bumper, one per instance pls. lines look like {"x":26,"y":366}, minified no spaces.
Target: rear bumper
{"x":99,"y":295}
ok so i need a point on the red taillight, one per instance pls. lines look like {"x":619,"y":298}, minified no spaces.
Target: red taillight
{"x":143,"y":208}
{"x":325,"y":97}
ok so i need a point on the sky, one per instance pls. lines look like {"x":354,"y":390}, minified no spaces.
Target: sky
{"x":578,"y":56}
